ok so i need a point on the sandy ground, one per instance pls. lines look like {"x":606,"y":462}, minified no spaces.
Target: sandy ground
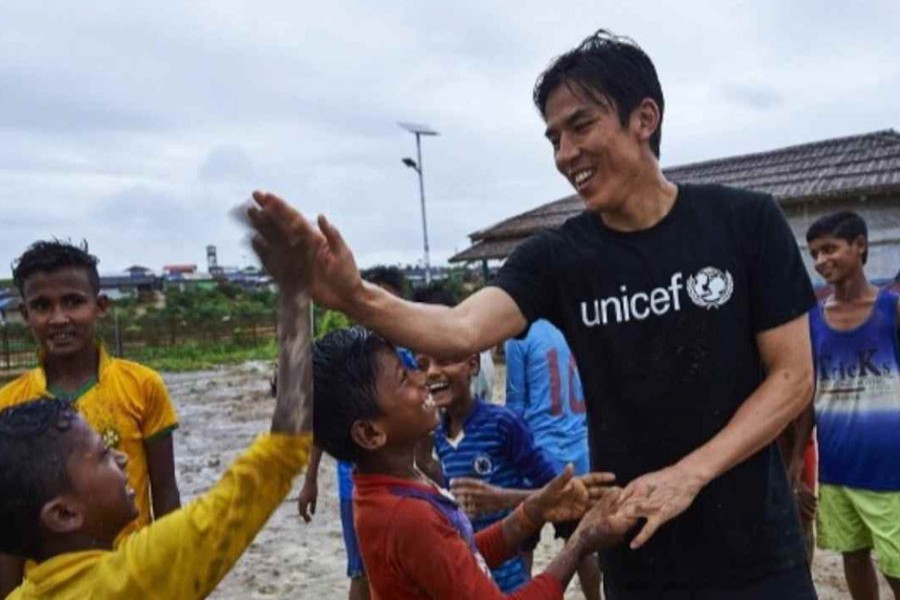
{"x":221,"y":411}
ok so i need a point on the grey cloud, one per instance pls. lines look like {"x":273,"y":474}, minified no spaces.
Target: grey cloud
{"x":138,"y":125}
{"x":757,"y":97}
{"x":226,"y":162}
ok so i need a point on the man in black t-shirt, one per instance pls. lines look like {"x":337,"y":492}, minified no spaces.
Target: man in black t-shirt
{"x":686,"y":309}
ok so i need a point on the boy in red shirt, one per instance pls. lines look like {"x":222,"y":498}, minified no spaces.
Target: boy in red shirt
{"x":415,"y":540}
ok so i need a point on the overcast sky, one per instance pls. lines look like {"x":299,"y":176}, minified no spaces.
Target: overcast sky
{"x":137,"y":125}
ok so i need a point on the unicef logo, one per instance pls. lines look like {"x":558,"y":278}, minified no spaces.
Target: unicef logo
{"x":710,"y":288}
{"x":482,"y":464}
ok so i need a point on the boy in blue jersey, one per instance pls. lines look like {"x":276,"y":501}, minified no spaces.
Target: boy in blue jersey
{"x":476,"y":439}
{"x":543,"y":388}
{"x":857,"y":407}
{"x":494,"y":469}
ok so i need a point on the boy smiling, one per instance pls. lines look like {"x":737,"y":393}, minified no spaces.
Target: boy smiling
{"x":857,"y":407}
{"x":415,"y":540}
{"x":65,"y":496}
{"x":490,"y":443}
{"x":126,"y":403}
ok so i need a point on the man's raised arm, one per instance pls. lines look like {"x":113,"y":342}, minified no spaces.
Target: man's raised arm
{"x":484,"y":319}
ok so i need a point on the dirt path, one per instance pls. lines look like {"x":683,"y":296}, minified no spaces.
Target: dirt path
{"x":221,"y":411}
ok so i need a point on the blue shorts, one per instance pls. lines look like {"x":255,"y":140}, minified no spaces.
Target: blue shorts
{"x":355,"y":567}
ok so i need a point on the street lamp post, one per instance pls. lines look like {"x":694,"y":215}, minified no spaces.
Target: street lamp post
{"x":419,"y":130}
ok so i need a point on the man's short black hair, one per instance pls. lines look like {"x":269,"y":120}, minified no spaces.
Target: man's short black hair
{"x":48,"y":256}
{"x":345,"y":368}
{"x":390,"y":276}
{"x":605,"y":67}
{"x":33,"y":469}
{"x":845,"y":225}
{"x":435,"y":294}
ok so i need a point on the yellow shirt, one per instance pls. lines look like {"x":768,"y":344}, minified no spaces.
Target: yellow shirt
{"x":185,"y":554}
{"x":128,"y":406}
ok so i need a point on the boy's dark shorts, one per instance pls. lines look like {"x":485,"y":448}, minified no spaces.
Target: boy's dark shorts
{"x":563,"y":530}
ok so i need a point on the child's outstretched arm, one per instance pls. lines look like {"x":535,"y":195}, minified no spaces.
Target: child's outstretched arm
{"x":188,"y":552}
{"x":430,"y":552}
{"x":293,"y":401}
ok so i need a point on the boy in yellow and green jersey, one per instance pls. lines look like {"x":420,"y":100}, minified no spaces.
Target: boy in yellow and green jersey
{"x":126,"y":403}
{"x":65,"y":496}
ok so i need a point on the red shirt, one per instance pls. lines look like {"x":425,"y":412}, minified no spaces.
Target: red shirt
{"x":416,"y":544}
{"x":811,"y":463}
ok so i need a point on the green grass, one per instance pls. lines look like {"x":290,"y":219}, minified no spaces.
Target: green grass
{"x":194,"y":357}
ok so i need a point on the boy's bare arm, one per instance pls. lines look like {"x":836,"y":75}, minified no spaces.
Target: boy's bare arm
{"x":484,"y":319}
{"x":293,"y":401}
{"x":600,"y":527}
{"x":564,"y":498}
{"x":161,"y":471}
{"x":309,"y":493}
{"x":285,"y":255}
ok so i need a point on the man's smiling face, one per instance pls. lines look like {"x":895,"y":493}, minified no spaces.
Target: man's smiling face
{"x":592,"y":149}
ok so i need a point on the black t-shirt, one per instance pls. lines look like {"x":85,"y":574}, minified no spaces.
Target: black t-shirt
{"x":663,"y":324}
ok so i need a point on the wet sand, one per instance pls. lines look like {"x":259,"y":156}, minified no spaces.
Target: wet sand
{"x":221,"y":411}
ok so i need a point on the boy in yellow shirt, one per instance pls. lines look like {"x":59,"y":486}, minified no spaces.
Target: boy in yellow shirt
{"x":126,"y":403}
{"x":65,"y":497}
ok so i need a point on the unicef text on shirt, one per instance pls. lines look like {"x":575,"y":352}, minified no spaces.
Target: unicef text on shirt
{"x":709,"y":288}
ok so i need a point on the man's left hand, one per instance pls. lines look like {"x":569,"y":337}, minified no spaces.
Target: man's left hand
{"x":659,"y":497}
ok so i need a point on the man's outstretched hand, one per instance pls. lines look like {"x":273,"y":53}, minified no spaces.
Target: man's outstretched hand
{"x":659,"y":497}
{"x":297,"y":254}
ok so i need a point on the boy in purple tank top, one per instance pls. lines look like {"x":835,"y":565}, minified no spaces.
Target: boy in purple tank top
{"x":857,"y":407}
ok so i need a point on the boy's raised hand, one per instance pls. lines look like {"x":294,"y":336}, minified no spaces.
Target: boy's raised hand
{"x":286,"y":245}
{"x":567,"y":498}
{"x":297,"y":254}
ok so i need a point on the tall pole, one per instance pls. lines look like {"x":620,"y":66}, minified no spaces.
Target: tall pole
{"x":420,"y":170}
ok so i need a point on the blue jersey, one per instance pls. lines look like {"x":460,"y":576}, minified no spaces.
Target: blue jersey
{"x":544,"y":388}
{"x":857,"y":399}
{"x":496,"y":446}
